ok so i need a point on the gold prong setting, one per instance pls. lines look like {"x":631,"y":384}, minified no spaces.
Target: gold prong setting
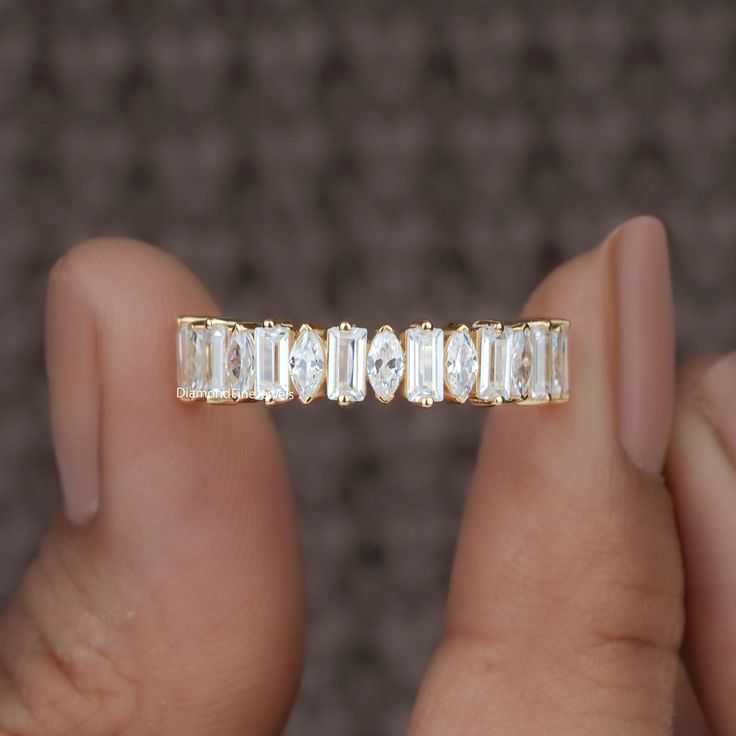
{"x":486,"y":364}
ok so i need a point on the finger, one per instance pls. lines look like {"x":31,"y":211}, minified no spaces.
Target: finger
{"x":701,"y":470}
{"x":565,"y":609}
{"x":177,"y":608}
{"x":689,"y":719}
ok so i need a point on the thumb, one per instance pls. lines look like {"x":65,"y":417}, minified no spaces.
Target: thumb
{"x":170,"y":600}
{"x":565,"y":612}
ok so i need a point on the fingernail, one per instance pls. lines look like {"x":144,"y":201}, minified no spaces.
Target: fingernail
{"x":646,"y":343}
{"x":74,"y":393}
{"x":718,"y":402}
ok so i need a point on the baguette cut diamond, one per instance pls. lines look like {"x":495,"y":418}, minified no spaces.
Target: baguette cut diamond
{"x":216,"y":347}
{"x":424,"y":354}
{"x":494,"y":348}
{"x":191,"y":354}
{"x":307,"y":364}
{"x":272,"y":363}
{"x":541,"y":344}
{"x":385,"y":364}
{"x":240,"y":363}
{"x":346,"y":363}
{"x":559,"y":382}
{"x":519,"y":364}
{"x":461,"y":364}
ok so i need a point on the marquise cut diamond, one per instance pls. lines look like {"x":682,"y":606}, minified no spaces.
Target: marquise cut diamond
{"x":385,"y":364}
{"x":461,"y":364}
{"x":519,"y":364}
{"x":307,"y":364}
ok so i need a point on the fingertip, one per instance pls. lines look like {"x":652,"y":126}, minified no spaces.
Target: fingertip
{"x":193,"y":526}
{"x":701,"y":473}
{"x":127,"y":272}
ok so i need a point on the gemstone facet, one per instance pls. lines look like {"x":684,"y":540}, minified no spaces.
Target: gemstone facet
{"x":307,"y":364}
{"x":272,"y":363}
{"x":519,"y":364}
{"x":424,"y":353}
{"x":240,"y":358}
{"x":461,"y":364}
{"x":191,"y":357}
{"x":494,"y":348}
{"x":346,"y":349}
{"x":217,"y":340}
{"x":385,"y":364}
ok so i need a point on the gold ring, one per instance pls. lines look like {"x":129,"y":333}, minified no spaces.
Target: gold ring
{"x":485,"y":364}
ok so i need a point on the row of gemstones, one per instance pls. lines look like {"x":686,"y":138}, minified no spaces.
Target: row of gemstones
{"x":488,"y":363}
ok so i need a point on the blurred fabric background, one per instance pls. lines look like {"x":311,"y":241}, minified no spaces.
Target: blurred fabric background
{"x":380,"y":162}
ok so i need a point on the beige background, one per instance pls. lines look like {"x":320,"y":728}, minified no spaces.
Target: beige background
{"x":334,"y":160}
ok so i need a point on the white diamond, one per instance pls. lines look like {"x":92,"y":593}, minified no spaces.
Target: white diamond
{"x":191,"y":354}
{"x":307,"y":364}
{"x":519,"y":364}
{"x":461,"y":364}
{"x":424,"y":364}
{"x":539,"y":384}
{"x":216,"y":344}
{"x":494,"y":345}
{"x":346,"y":363}
{"x":240,"y":360}
{"x":559,"y":383}
{"x":272,"y":363}
{"x":385,"y":364}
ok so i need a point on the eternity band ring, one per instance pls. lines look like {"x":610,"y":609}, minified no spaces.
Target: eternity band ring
{"x":485,"y":364}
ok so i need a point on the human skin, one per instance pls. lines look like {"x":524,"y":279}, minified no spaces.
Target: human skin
{"x":597,"y":544}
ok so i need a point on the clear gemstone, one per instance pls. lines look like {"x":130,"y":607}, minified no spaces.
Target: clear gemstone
{"x":494,"y":348}
{"x":216,"y":345}
{"x":272,"y":363}
{"x":461,"y":364}
{"x":559,"y":382}
{"x":346,"y":363}
{"x":385,"y":364}
{"x":240,"y":363}
{"x":424,"y":364}
{"x":307,"y":364}
{"x":191,"y":354}
{"x":519,"y":364}
{"x":539,"y":383}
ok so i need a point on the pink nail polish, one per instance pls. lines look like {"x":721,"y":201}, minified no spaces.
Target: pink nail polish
{"x":646,"y":343}
{"x":74,"y":393}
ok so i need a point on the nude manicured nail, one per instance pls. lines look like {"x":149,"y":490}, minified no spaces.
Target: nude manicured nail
{"x":646,"y":343}
{"x":74,"y":393}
